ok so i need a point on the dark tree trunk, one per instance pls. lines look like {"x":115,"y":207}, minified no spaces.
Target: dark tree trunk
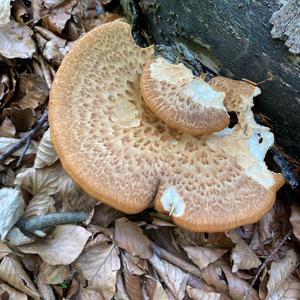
{"x":233,"y":38}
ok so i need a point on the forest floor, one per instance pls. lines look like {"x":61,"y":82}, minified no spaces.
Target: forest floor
{"x":101,"y":253}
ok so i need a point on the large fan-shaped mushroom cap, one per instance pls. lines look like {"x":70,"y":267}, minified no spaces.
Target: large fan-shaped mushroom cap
{"x":118,"y":151}
{"x":181,"y":100}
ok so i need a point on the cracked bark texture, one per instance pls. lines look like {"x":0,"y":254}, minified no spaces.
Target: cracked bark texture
{"x":233,"y":38}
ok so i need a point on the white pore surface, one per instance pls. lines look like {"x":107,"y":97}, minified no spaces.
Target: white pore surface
{"x":203,"y":94}
{"x":172,"y":202}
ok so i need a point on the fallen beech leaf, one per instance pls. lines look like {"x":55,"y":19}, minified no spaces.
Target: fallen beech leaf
{"x":295,"y":220}
{"x":23,"y":119}
{"x":121,"y":293}
{"x":41,"y":184}
{"x":280,"y":272}
{"x":202,"y":256}
{"x":63,"y":248}
{"x":49,"y":274}
{"x":13,"y":293}
{"x":12,"y":272}
{"x":237,"y":287}
{"x":242,"y":256}
{"x":133,"y":284}
{"x":16,"y":41}
{"x":99,"y":264}
{"x":104,"y":215}
{"x":134,"y":264}
{"x":4,"y":12}
{"x":4,"y":250}
{"x":46,"y":154}
{"x":130,"y":237}
{"x":289,"y":290}
{"x":7,"y":128}
{"x":52,"y":3}
{"x":174,"y":278}
{"x":45,"y":290}
{"x":71,"y":196}
{"x":155,"y":290}
{"x":197,"y":294}
{"x":11,"y":209}
{"x":6,"y":143}
{"x":87,"y":294}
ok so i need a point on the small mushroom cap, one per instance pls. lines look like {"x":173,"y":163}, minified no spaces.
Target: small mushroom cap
{"x":119,"y":152}
{"x":181,"y":100}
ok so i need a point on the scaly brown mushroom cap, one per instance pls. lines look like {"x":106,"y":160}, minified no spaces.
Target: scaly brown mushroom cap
{"x":181,"y":100}
{"x":119,"y":152}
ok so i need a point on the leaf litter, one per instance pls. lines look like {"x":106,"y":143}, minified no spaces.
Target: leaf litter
{"x":111,"y":255}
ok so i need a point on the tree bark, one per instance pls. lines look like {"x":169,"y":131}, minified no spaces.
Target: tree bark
{"x":233,"y":38}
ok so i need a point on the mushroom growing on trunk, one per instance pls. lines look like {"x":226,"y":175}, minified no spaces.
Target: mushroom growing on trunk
{"x":120,"y":152}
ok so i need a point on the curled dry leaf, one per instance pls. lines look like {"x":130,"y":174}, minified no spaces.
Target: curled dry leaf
{"x":295,"y":220}
{"x":49,"y":274}
{"x":11,"y":209}
{"x":99,"y":264}
{"x":65,"y":245}
{"x":121,"y":293}
{"x":280,"y":272}
{"x":45,"y":290}
{"x":12,"y":293}
{"x":197,"y":294}
{"x":16,"y":41}
{"x":202,"y":256}
{"x":12,"y":272}
{"x":130,"y":237}
{"x":46,"y":154}
{"x":242,"y":256}
{"x":174,"y":278}
{"x":4,"y":12}
{"x":154,"y":289}
{"x":7,"y":128}
{"x":16,"y":237}
{"x":41,"y":184}
{"x":6,"y":143}
{"x":4,"y":250}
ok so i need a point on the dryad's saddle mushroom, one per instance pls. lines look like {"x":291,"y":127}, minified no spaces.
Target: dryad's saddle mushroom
{"x":123,"y":154}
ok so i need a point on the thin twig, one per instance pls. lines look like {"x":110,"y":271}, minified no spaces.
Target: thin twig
{"x":268,"y":259}
{"x":39,"y":222}
{"x":175,"y":260}
{"x":23,"y":153}
{"x":25,"y":138}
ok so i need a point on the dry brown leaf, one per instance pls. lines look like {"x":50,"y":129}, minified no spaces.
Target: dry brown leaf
{"x":41,"y":184}
{"x":134,"y":264}
{"x":133,"y":285}
{"x":7,"y":86}
{"x":121,"y":293}
{"x":16,"y":41}
{"x":280,"y":272}
{"x":202,"y":256}
{"x":52,"y":3}
{"x":130,"y":237}
{"x":155,"y":290}
{"x":46,"y":154}
{"x":45,"y":290}
{"x":63,"y":248}
{"x":290,"y":290}
{"x":23,"y":119}
{"x":6,"y":143}
{"x":197,"y":294}
{"x":32,"y":91}
{"x":237,"y":287}
{"x":87,"y":294}
{"x":11,"y":209}
{"x":295,"y":220}
{"x":99,"y":264}
{"x":174,"y":278}
{"x":4,"y":12}
{"x":12,"y":272}
{"x":242,"y":256}
{"x":104,"y":215}
{"x":13,"y":293}
{"x":49,"y":274}
{"x":7,"y":128}
{"x":4,"y":250}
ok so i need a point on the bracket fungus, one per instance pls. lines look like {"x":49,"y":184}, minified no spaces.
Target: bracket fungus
{"x":121,"y":153}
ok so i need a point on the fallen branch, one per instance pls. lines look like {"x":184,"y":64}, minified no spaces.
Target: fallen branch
{"x":25,"y":139}
{"x":268,"y":259}
{"x":33,"y":224}
{"x":175,"y":260}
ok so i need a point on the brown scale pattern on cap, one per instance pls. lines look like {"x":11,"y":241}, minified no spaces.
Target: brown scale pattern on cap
{"x":118,"y":151}
{"x":176,"y":109}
